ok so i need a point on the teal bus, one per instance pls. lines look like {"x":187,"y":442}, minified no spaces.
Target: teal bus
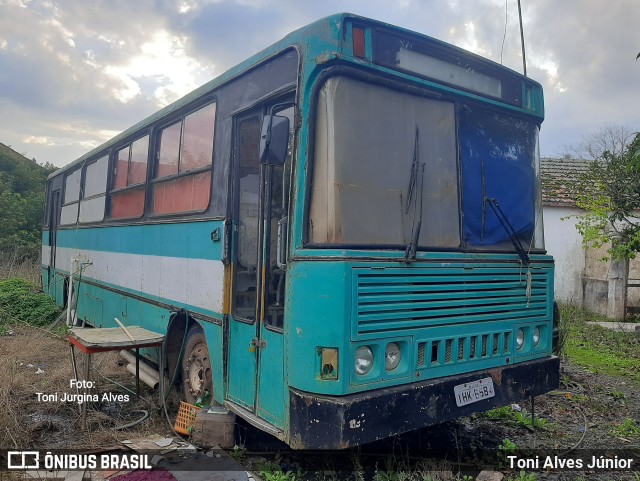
{"x":341,"y":237}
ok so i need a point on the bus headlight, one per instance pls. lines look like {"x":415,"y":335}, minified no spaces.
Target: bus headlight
{"x":392,"y":356}
{"x":520,"y":339}
{"x":364,"y":360}
{"x":536,"y":336}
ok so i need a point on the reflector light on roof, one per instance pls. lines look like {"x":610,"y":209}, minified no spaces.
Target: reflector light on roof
{"x":358,"y":42}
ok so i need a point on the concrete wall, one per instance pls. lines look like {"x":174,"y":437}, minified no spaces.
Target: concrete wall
{"x":633,"y":293}
{"x":595,"y":280}
{"x":582,"y":277}
{"x":564,"y":243}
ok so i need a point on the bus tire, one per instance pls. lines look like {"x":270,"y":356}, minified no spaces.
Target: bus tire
{"x":196,"y":367}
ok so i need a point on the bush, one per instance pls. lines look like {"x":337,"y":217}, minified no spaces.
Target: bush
{"x":22,"y":301}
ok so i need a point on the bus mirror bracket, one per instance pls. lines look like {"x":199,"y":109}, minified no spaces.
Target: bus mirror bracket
{"x":274,"y":140}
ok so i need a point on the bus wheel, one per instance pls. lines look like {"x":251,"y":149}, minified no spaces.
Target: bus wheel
{"x":196,"y":367}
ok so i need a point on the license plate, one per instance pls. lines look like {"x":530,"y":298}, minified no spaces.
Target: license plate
{"x":475,"y":391}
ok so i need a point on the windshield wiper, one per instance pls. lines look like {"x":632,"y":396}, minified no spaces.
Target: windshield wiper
{"x":410,"y":251}
{"x":493,"y":203}
{"x":414,"y":172}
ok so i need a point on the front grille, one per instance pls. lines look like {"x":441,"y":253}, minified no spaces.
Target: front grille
{"x":403,"y":299}
{"x":468,"y":348}
{"x":447,"y":352}
{"x":421,"y":353}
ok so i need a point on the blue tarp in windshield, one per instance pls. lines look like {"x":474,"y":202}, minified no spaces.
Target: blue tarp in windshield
{"x":504,"y":148}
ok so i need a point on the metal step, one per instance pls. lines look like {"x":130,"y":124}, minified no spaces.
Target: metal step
{"x":254,"y":420}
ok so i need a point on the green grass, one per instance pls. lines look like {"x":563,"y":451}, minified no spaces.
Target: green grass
{"x":599,"y":349}
{"x":519,"y":418}
{"x":273,"y":472}
{"x":628,"y":428}
{"x":22,"y":301}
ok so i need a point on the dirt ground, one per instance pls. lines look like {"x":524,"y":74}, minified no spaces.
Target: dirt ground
{"x":590,"y":411}
{"x":35,"y":361}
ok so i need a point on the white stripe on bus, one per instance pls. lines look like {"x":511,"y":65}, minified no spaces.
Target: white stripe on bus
{"x":197,"y":282}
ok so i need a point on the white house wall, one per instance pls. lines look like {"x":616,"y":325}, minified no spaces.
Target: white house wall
{"x":564,"y":243}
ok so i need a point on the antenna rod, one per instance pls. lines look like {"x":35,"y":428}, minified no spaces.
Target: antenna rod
{"x":524,"y":58}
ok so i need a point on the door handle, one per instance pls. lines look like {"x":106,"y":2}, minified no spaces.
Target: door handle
{"x":257,"y":343}
{"x":226,"y":238}
{"x":281,"y":243}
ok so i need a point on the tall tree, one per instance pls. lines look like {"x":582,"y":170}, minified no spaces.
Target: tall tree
{"x":609,"y":138}
{"x":22,"y":183}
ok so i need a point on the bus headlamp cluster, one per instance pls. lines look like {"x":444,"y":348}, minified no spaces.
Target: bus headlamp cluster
{"x":520,"y":339}
{"x":392,"y":356}
{"x":364,"y":358}
{"x":536,"y":337}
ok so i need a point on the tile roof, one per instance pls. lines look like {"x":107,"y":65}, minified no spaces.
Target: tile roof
{"x":558,"y":180}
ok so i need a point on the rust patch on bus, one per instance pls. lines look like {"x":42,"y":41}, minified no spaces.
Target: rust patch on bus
{"x":227,"y":289}
{"x":496,"y":375}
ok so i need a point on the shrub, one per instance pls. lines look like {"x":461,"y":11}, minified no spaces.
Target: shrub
{"x":23,"y":301}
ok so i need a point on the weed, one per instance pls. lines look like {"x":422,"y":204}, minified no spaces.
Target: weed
{"x":238,"y":453}
{"x":13,"y":265}
{"x":395,"y":469}
{"x":628,"y":428}
{"x":388,"y":473}
{"x":434,"y":470}
{"x":358,"y":470}
{"x":5,"y":330}
{"x":327,"y":475}
{"x":578,"y":398}
{"x":522,"y":476}
{"x":61,"y":330}
{"x":273,"y":472}
{"x":617,"y":395}
{"x":507,"y":448}
{"x":499,"y":413}
{"x":520,"y":418}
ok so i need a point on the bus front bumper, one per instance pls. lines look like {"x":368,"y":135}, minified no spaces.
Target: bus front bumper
{"x":339,"y":422}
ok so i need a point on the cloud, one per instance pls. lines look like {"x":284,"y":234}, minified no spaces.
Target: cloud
{"x":75,"y":72}
{"x":41,"y":140}
{"x":163,"y":60}
{"x":590,"y":45}
{"x":93,"y":66}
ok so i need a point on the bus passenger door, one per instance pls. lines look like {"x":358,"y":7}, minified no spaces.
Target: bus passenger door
{"x":272,"y":385}
{"x":243,"y":328}
{"x":255,"y":364}
{"x":54,"y":212}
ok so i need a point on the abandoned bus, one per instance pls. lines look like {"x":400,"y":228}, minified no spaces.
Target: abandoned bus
{"x":342,"y":235}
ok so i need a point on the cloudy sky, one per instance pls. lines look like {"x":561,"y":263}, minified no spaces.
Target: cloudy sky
{"x":74,"y":73}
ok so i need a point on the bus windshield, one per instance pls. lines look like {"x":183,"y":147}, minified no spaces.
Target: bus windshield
{"x":387,"y":163}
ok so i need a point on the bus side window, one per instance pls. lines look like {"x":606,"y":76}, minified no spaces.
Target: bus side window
{"x":248,"y":216}
{"x":94,"y":191}
{"x":279,"y":212}
{"x":129,"y":175}
{"x":69,"y":214}
{"x":182,"y":178}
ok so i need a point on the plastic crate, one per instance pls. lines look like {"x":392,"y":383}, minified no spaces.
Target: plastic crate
{"x":186,"y":418}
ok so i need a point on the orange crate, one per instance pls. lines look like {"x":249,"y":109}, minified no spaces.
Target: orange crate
{"x":186,"y":418}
